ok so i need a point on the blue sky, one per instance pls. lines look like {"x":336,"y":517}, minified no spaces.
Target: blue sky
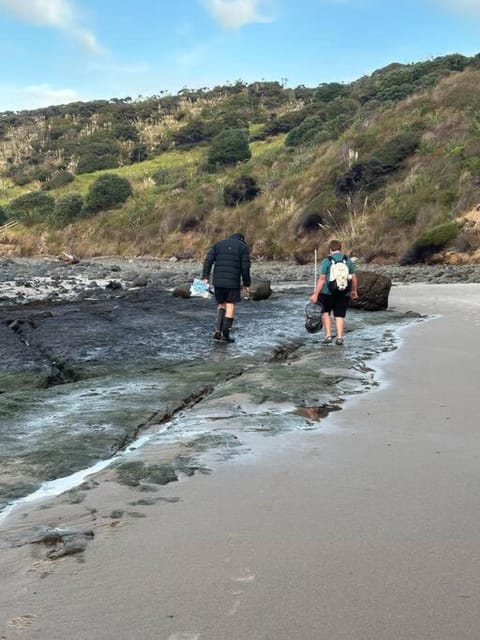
{"x":58,"y":51}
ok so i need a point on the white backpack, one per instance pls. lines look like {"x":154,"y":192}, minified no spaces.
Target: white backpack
{"x":339,"y":277}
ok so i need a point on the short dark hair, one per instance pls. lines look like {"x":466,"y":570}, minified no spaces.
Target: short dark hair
{"x":334,"y":245}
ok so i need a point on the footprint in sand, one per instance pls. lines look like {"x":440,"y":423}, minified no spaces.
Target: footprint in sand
{"x":234,"y":608}
{"x":246,"y":576}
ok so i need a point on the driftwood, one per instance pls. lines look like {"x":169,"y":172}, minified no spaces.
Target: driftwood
{"x":8,"y":225}
{"x":68,"y":257}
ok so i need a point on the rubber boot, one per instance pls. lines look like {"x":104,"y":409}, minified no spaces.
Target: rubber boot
{"x":219,"y":325}
{"x":227,"y":325}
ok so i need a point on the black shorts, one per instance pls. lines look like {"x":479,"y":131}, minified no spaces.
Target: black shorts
{"x":223,"y":295}
{"x":336,"y":302}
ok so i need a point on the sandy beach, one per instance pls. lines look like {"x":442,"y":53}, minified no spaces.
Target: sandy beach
{"x":364,"y":529}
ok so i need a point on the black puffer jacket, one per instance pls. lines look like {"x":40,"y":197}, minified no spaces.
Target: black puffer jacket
{"x":232,"y":263}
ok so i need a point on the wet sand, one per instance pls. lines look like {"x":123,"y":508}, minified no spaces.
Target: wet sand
{"x":365,"y":529}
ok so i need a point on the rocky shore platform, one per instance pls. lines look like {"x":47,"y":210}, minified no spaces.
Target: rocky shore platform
{"x":50,"y":279}
{"x":62,"y":322}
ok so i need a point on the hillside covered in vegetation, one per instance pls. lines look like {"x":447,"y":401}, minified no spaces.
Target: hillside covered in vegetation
{"x":389,"y":163}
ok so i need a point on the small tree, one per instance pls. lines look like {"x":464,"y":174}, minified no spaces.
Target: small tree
{"x":108,"y":191}
{"x":67,"y":209}
{"x":139,"y":153}
{"x":243,"y":189}
{"x":228,"y":147}
{"x":125,"y":131}
{"x":32,"y":208}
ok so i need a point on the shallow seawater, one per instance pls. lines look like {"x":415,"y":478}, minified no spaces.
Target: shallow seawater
{"x":203,"y":397}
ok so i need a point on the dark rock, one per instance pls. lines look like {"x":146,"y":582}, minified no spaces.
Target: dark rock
{"x":113,"y":285}
{"x":260,"y":289}
{"x":116,"y":514}
{"x":185,"y":255}
{"x":140,"y":281}
{"x":55,"y":535}
{"x":373,"y":291}
{"x":182,"y":291}
{"x":304,"y":256}
{"x":68,"y":549}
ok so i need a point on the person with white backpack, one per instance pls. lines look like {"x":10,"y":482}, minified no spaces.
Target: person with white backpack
{"x":337,"y":282}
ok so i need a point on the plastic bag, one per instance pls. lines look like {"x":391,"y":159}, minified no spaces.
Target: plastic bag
{"x":199,"y":289}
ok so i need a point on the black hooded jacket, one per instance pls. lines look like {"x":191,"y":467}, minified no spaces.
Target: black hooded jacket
{"x":232,"y":263}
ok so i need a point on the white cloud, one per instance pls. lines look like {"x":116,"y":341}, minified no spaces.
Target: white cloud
{"x":237,"y":13}
{"x":34,"y":97}
{"x":58,"y":14}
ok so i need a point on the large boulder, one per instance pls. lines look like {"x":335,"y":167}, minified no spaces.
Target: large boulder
{"x":260,"y":289}
{"x":304,"y":256}
{"x":373,"y":291}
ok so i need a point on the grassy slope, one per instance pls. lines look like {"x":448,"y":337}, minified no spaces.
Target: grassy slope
{"x":437,"y":183}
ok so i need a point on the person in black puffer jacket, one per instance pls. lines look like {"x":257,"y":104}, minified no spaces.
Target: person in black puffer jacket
{"x":231,"y":258}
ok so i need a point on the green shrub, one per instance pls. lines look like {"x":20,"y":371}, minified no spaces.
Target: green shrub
{"x":32,"y":208}
{"x":386,"y":159}
{"x":309,"y":223}
{"x":125,"y":131}
{"x":243,"y":189}
{"x":67,"y":209}
{"x":90,"y":162}
{"x":170,"y":177}
{"x":404,"y":212}
{"x":59,"y":179}
{"x":228,"y":147}
{"x":283,"y":123}
{"x":197,"y":131}
{"x":305,"y":131}
{"x":20,"y":178}
{"x":328,"y":91}
{"x":163,"y":177}
{"x":108,"y":191}
{"x":3,"y":216}
{"x":97,"y":151}
{"x":430,"y":242}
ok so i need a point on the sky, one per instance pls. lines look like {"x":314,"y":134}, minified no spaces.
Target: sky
{"x":60,"y":51}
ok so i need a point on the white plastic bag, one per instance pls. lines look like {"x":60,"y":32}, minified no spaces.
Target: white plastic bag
{"x":199,"y":289}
